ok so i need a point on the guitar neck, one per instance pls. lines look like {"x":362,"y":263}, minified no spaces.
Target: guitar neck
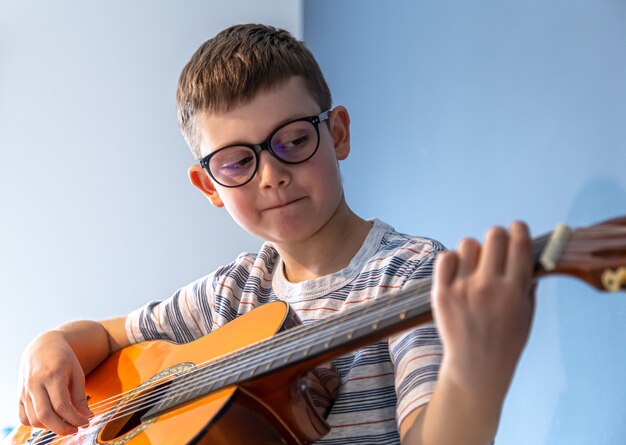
{"x":316,"y":343}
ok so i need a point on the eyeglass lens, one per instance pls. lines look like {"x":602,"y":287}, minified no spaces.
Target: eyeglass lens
{"x":295,"y":142}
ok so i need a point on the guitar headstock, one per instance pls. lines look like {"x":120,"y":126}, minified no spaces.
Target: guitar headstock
{"x":595,"y":254}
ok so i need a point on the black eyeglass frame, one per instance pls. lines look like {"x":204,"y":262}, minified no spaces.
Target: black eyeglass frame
{"x":265,"y":145}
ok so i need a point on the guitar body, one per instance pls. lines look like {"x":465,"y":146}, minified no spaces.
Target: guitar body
{"x":260,"y":412}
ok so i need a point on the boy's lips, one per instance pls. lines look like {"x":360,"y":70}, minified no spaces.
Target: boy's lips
{"x":281,"y":204}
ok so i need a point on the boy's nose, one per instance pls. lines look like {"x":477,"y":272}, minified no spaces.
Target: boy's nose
{"x":272,"y":172}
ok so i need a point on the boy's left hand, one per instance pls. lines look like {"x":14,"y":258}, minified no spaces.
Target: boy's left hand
{"x":483,"y":302}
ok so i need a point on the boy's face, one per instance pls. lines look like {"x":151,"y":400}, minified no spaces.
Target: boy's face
{"x":283,"y":203}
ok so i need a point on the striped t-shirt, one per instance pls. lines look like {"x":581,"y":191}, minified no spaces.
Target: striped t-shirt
{"x":380,"y":384}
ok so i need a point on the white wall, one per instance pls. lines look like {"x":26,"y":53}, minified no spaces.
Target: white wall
{"x":96,"y":213}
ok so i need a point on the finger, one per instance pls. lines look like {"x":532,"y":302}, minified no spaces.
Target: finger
{"x":47,"y":416}
{"x":520,"y":256}
{"x":64,"y":408}
{"x":33,"y":420}
{"x":23,"y":416}
{"x":446,"y":266}
{"x":79,"y":398}
{"x":493,"y":256}
{"x":469,"y":253}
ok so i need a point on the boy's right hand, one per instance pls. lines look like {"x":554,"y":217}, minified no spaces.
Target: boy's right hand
{"x":52,"y":386}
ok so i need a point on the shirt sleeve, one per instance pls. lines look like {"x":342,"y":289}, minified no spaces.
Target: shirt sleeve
{"x":416,"y":353}
{"x":185,"y":316}
{"x":416,"y":356}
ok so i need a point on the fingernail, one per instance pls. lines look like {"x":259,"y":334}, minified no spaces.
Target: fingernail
{"x":85,"y":407}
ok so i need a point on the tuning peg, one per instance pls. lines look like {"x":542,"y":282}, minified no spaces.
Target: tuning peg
{"x":614,"y":280}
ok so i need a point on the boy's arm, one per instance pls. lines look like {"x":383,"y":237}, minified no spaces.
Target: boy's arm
{"x":53,"y":369}
{"x":455,"y":416}
{"x":483,"y":302}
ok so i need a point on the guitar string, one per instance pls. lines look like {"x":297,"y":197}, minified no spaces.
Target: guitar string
{"x":117,"y":415}
{"x":537,"y":243}
{"x":207,"y":377}
{"x":116,"y":398}
{"x":135,"y":406}
{"x":259,"y":347}
{"x":243,"y":366}
{"x":607,"y":228}
{"x":209,"y":374}
{"x":601,"y":231}
{"x":285,"y":336}
{"x":266,"y":344}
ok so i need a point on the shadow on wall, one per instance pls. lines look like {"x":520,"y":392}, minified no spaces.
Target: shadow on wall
{"x":594,"y":356}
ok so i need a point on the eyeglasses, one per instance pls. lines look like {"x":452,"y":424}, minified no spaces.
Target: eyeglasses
{"x":292,"y":143}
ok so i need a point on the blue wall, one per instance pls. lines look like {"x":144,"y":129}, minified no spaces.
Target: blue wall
{"x":469,"y":114}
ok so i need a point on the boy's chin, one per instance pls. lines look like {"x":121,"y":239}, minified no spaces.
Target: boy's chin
{"x":285,"y":233}
{"x":285,"y":237}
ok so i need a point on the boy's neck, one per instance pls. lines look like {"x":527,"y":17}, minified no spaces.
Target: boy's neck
{"x":327,"y":251}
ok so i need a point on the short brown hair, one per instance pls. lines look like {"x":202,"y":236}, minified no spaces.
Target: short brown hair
{"x":239,"y":62}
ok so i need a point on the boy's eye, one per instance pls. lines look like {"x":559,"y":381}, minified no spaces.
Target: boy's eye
{"x":292,"y":144}
{"x":294,"y":140}
{"x":238,"y":164}
{"x":235,"y":161}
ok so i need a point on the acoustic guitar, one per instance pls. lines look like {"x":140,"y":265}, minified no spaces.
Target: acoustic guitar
{"x":246,"y":383}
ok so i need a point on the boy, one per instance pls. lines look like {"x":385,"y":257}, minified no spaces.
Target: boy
{"x":256,"y":111}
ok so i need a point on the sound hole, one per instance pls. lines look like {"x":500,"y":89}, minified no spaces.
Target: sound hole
{"x":128,"y":415}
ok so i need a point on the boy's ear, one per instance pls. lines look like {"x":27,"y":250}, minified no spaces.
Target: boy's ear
{"x":202,"y":182}
{"x":340,"y":130}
